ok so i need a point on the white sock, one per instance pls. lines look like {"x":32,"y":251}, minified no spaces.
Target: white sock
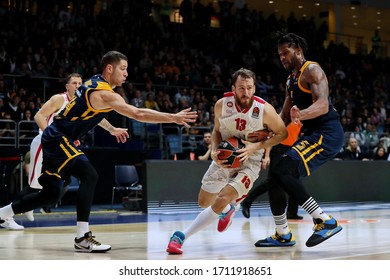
{"x":206,"y":217}
{"x":281,"y":224}
{"x":312,"y":207}
{"x":6,"y":212}
{"x":82,"y":228}
{"x":226,"y":209}
{"x":320,"y":214}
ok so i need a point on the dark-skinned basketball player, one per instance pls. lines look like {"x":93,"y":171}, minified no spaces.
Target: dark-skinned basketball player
{"x":91,"y":103}
{"x":307,"y":101}
{"x":238,"y":114}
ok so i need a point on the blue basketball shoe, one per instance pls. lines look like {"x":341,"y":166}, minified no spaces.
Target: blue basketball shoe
{"x":323,"y":230}
{"x":277,"y":240}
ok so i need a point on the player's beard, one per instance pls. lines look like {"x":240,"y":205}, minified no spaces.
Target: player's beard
{"x":244,"y":104}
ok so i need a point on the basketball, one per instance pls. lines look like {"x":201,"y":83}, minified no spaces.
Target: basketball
{"x":228,"y":149}
{"x":258,"y":135}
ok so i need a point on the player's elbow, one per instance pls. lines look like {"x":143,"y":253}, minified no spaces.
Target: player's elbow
{"x":36,"y":117}
{"x":324,"y":107}
{"x":325,"y":110}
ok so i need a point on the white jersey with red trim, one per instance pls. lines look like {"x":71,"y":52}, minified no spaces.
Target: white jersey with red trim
{"x":239,"y":123}
{"x":36,"y":149}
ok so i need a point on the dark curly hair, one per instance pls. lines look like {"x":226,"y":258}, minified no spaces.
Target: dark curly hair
{"x":293,"y":39}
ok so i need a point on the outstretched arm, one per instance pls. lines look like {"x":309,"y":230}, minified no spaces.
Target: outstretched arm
{"x":115,"y":101}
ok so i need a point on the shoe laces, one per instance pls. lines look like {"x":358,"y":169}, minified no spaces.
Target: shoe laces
{"x":177,"y":240}
{"x":279,"y":238}
{"x":222,"y":216}
{"x":93,"y":241}
{"x":318,"y":225}
{"x":276,"y":236}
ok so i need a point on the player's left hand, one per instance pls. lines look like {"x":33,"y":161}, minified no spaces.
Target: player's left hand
{"x":185,"y":116}
{"x":121,"y":134}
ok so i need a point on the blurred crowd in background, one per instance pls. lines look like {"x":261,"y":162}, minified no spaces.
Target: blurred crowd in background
{"x":174,"y":65}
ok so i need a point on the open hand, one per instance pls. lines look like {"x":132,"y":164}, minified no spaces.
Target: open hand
{"x":185,"y":116}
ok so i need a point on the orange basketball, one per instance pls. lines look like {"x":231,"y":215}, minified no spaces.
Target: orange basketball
{"x":228,"y":150}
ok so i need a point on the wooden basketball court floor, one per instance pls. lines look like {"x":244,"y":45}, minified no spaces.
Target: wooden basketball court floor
{"x":137,"y":236}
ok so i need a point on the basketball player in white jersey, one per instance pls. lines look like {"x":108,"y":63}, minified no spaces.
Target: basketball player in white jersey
{"x":44,"y":118}
{"x":238,"y":113}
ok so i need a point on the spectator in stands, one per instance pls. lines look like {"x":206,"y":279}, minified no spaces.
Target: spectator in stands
{"x":11,"y":106}
{"x":20,"y":111}
{"x":380,"y":154}
{"x":7,"y":130}
{"x":353,"y":151}
{"x":32,"y":107}
{"x":137,"y":100}
{"x":151,"y":103}
{"x":372,"y":137}
{"x":377,"y":119}
{"x":147,"y":90}
{"x":359,"y":136}
{"x":2,"y":111}
{"x":167,"y":106}
{"x":203,"y":151}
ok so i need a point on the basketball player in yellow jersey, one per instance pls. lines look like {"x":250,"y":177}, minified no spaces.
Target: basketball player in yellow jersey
{"x":44,"y":118}
{"x":237,"y":114}
{"x":92,"y":102}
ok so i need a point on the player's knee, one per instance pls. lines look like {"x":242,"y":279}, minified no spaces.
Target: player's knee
{"x":86,"y":172}
{"x":205,"y":201}
{"x":220,"y":202}
{"x":51,"y":187}
{"x":202,"y":203}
